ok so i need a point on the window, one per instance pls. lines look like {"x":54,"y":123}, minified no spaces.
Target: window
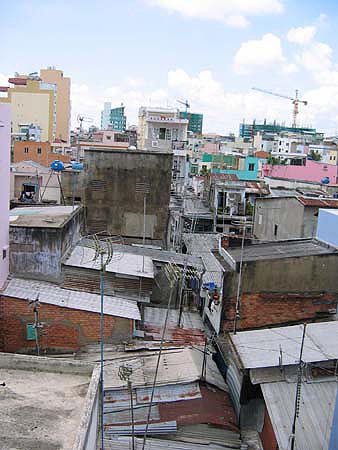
{"x":108,"y":138}
{"x":276,"y":230}
{"x":26,"y":149}
{"x":4,"y":253}
{"x":162,"y":133}
{"x":39,"y":150}
{"x":251,"y":167}
{"x":260,"y":219}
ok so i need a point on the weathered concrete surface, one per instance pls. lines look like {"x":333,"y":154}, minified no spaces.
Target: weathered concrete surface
{"x":36,"y":252}
{"x":115,"y":182}
{"x":40,"y":411}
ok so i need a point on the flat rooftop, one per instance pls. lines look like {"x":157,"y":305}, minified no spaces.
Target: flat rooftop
{"x":280,"y":249}
{"x":122,"y":263}
{"x":42,"y":217}
{"x":42,"y":405}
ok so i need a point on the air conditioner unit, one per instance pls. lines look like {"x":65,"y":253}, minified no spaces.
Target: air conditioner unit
{"x":154,"y":143}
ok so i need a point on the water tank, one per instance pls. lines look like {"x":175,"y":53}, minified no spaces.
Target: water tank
{"x":77,"y":166}
{"x":325,"y":180}
{"x":57,"y":166}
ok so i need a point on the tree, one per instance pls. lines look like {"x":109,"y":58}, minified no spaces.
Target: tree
{"x":315,"y":155}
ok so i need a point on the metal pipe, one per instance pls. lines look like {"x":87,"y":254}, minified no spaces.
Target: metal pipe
{"x":102,"y":346}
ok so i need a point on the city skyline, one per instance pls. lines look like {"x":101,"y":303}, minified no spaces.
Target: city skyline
{"x":146,"y":52}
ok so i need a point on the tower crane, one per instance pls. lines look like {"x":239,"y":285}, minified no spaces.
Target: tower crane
{"x":186,"y":104}
{"x":294,"y":100}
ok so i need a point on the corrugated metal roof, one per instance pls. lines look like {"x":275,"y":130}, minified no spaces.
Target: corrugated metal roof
{"x":224,"y":176}
{"x":176,"y":366}
{"x":190,"y":332}
{"x":162,"y":394}
{"x":122,"y":263}
{"x":261,"y":348}
{"x":201,"y":245}
{"x":66,"y":298}
{"x":313,"y":426}
{"x":320,"y":202}
{"x":125,"y":443}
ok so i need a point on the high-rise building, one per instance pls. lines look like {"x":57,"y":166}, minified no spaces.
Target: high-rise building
{"x":158,"y":128}
{"x":53,"y":76}
{"x":113,"y":118}
{"x":249,"y":130}
{"x":5,"y":140}
{"x":195,"y":124}
{"x":32,"y":101}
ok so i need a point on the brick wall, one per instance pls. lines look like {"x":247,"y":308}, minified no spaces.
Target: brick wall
{"x":64,"y":329}
{"x":262,"y":310}
{"x":43,"y":156}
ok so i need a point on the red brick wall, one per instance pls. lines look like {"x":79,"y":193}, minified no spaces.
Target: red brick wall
{"x":261,"y":310}
{"x":64,"y":328}
{"x":267,"y":435}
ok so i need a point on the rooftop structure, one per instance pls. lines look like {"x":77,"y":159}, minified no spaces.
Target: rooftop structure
{"x":48,"y":403}
{"x":327,"y":226}
{"x":248,"y":130}
{"x":159,"y":127}
{"x":66,"y":298}
{"x":281,"y":249}
{"x":42,"y":217}
{"x":122,"y":263}
{"x":319,"y":345}
{"x":40,"y":237}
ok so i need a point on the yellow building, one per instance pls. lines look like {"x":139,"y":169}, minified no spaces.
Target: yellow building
{"x":51,"y":75}
{"x":32,"y":102}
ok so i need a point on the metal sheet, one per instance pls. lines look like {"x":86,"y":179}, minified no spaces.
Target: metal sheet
{"x":153,"y":428}
{"x":315,"y":412}
{"x":172,"y":393}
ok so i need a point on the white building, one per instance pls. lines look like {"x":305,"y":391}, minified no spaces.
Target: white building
{"x":5,"y":141}
{"x":105,"y":115}
{"x":159,"y":127}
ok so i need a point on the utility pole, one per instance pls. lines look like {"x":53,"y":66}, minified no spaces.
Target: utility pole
{"x":35,"y":304}
{"x":125,"y":373}
{"x":298,"y":392}
{"x":239,"y":284}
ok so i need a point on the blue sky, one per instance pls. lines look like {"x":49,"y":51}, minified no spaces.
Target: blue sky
{"x":209,"y":51}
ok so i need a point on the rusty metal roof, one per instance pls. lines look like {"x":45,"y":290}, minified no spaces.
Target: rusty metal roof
{"x":224,"y":176}
{"x":255,"y":187}
{"x":318,"y":202}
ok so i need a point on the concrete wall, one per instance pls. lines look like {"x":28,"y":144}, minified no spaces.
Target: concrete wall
{"x":313,"y":171}
{"x":72,"y":182}
{"x":310,"y":221}
{"x":113,"y":204}
{"x":36,"y":252}
{"x":282,"y":291}
{"x":64,"y":330}
{"x":45,"y":157}
{"x":5,"y":140}
{"x":285,"y":213}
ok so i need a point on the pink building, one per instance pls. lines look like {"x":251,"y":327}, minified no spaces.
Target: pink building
{"x":5,"y":140}
{"x":312,"y":171}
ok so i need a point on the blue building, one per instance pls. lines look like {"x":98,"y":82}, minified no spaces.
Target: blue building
{"x":113,"y":118}
{"x":251,"y":169}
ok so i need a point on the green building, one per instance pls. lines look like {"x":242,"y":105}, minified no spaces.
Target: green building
{"x":195,"y":121}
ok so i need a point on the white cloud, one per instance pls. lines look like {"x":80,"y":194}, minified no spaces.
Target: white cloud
{"x":259,"y":53}
{"x":290,"y":68}
{"x":232,"y":12}
{"x":317,"y":57}
{"x":301,"y":35}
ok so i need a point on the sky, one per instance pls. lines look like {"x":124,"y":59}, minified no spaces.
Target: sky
{"x":210,"y":52}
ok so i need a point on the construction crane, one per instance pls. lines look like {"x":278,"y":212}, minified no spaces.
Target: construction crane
{"x":294,"y":100}
{"x":186,"y":104}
